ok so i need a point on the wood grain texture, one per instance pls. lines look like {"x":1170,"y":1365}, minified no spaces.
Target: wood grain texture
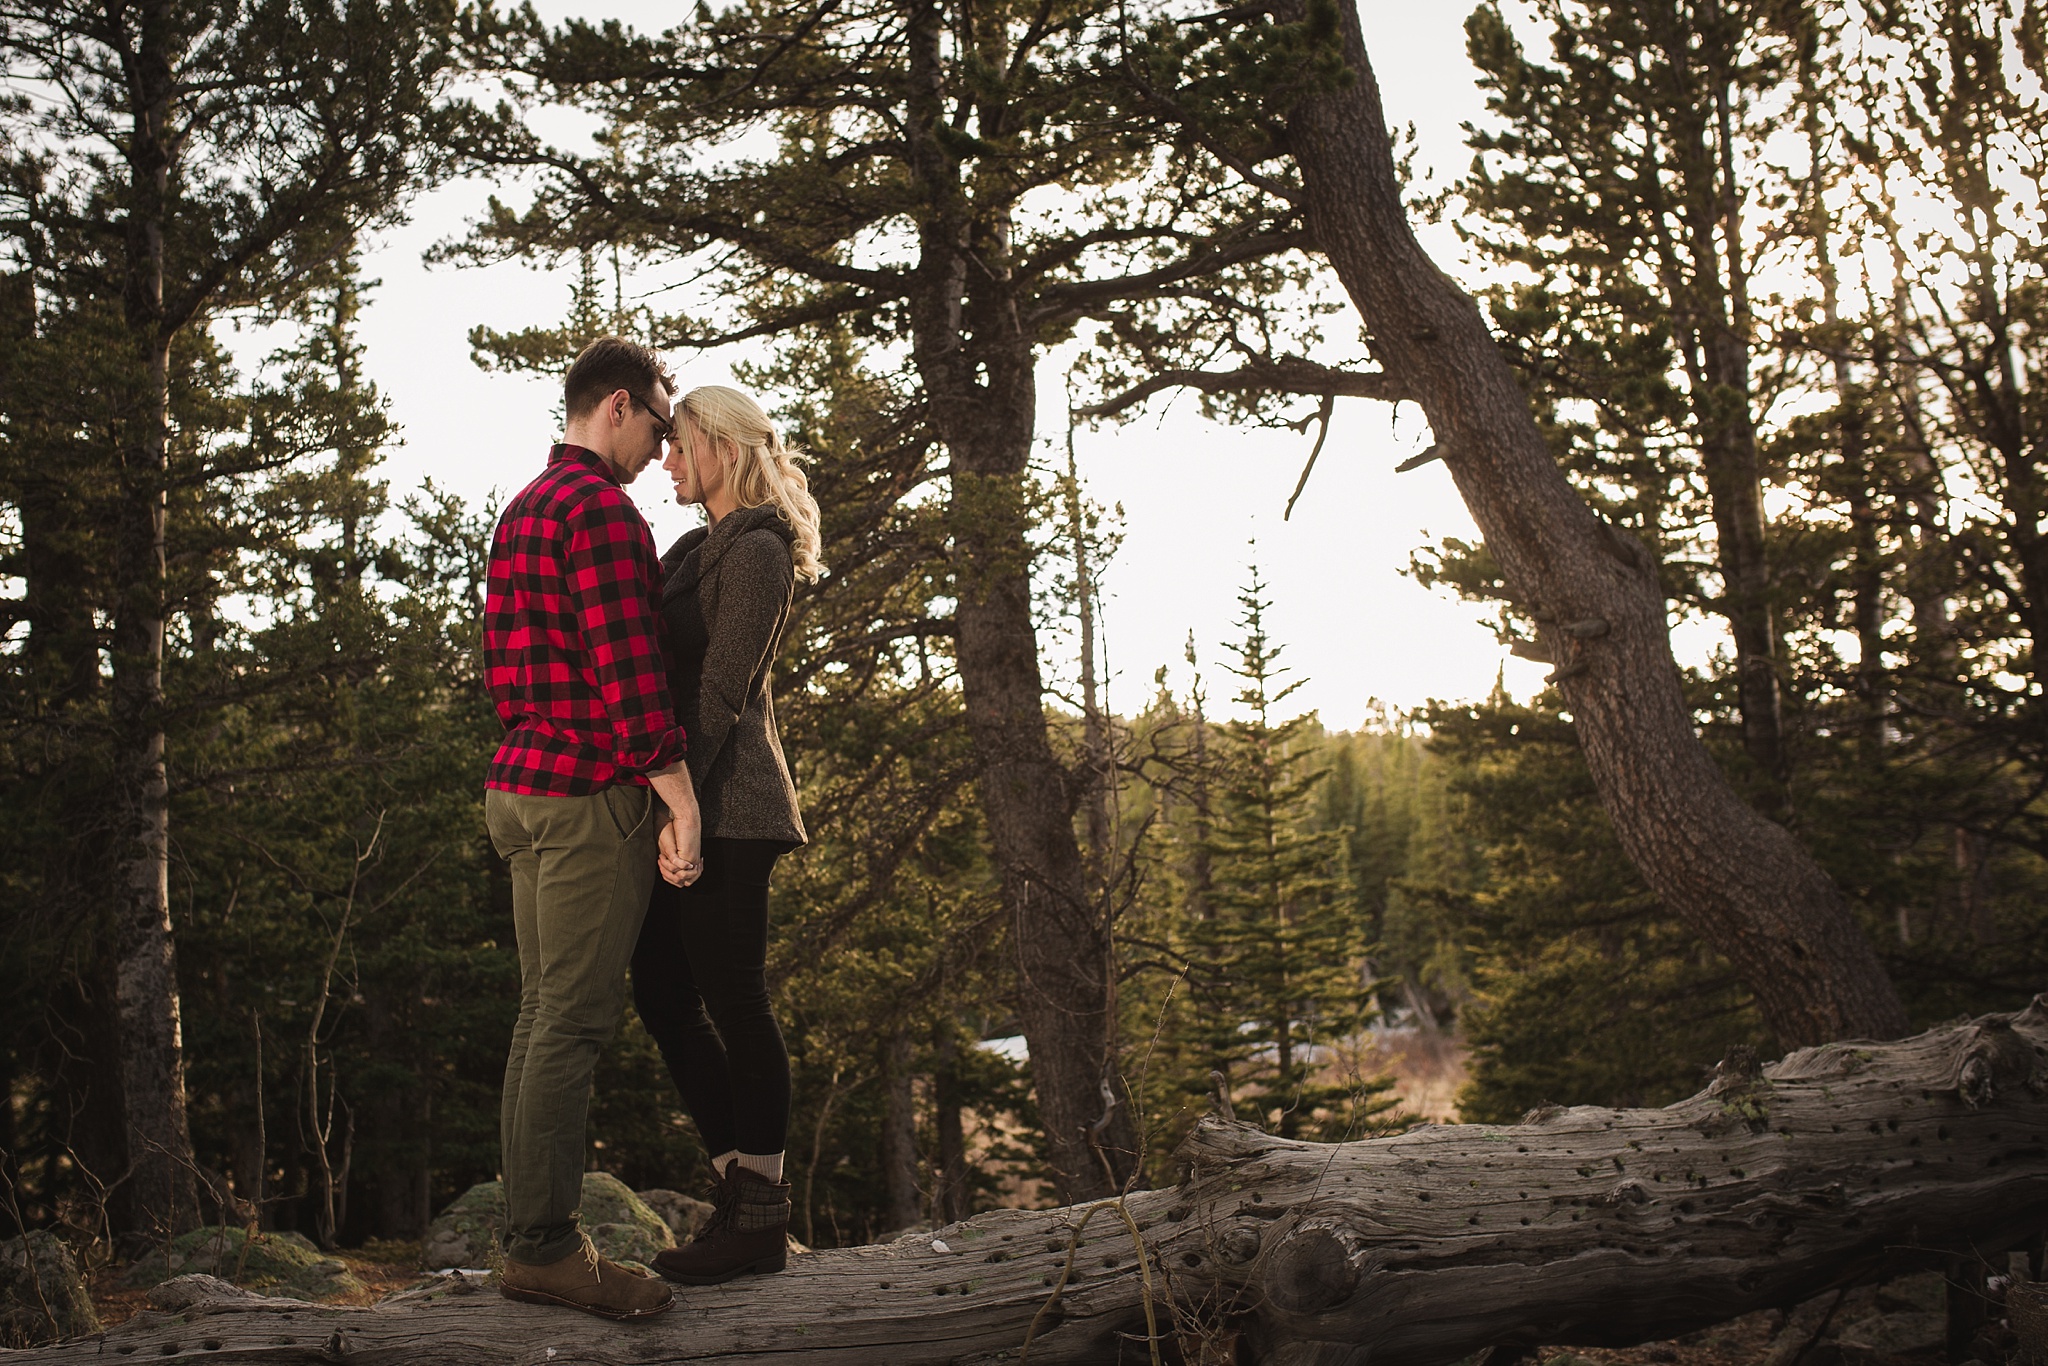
{"x":1842,"y":1164}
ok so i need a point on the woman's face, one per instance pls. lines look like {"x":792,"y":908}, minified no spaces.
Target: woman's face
{"x":693,"y":464}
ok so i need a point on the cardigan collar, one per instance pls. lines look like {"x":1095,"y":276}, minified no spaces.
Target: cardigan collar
{"x":697,"y":551}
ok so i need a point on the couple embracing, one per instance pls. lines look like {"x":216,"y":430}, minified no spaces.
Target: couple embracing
{"x":641,"y":799}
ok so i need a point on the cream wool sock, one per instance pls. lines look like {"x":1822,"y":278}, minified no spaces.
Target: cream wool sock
{"x":768,"y":1165}
{"x":724,"y":1160}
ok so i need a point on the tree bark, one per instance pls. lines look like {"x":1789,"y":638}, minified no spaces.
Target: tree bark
{"x":1740,"y":881}
{"x":978,"y":367}
{"x":1713,"y":303}
{"x":1843,"y":1164}
{"x":162,"y":1191}
{"x":899,"y":1138}
{"x":950,"y":1198}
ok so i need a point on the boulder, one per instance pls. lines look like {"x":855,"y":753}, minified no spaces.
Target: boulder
{"x":285,"y":1265}
{"x":466,"y":1233}
{"x":42,"y":1293}
{"x":618,"y":1221}
{"x":684,"y":1214}
{"x":1903,"y":1317}
{"x":1908,"y":1333}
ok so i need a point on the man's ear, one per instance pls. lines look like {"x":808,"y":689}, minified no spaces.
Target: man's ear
{"x":618,"y":407}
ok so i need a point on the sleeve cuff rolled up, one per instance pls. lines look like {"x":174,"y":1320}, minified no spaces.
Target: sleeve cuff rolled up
{"x":667,"y":748}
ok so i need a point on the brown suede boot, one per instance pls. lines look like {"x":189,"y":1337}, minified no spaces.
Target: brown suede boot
{"x":584,"y":1280}
{"x":747,"y":1233}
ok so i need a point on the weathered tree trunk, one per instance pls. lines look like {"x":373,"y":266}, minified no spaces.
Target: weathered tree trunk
{"x":951,"y":1199}
{"x":1714,"y":309}
{"x":1744,"y":884}
{"x":162,"y":1191}
{"x":1843,"y":1164}
{"x":978,"y":367}
{"x":1097,"y":789}
{"x":1861,"y":478}
{"x":899,"y":1139}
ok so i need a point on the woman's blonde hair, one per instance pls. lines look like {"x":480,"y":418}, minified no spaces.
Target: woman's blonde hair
{"x":760,"y":469}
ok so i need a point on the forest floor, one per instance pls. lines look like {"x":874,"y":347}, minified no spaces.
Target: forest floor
{"x":1898,"y":1324}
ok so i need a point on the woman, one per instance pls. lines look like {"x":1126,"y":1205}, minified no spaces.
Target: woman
{"x":699,"y":969}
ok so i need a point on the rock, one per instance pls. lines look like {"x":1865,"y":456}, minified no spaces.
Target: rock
{"x":42,"y":1294}
{"x":466,"y":1233}
{"x":1925,"y":1291}
{"x":287,"y":1265}
{"x":619,"y":1222}
{"x":684,"y":1214}
{"x":445,"y":1250}
{"x":1908,"y":1333}
{"x":182,"y":1292}
{"x":629,"y":1244}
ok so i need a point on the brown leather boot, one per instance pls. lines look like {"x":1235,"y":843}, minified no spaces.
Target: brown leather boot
{"x":747,"y":1233}
{"x":584,"y":1280}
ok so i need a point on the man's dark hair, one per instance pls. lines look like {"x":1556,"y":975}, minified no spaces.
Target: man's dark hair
{"x":608,"y":365}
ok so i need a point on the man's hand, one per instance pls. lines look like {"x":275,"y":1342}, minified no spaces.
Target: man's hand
{"x":681,"y":839}
{"x":681,"y":863}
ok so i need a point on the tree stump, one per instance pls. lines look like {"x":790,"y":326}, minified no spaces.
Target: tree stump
{"x":1847,"y":1163}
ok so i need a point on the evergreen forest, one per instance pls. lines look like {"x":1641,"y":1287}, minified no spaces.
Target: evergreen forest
{"x":1773,"y":278}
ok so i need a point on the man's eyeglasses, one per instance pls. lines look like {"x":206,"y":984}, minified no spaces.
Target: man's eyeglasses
{"x":666,"y":425}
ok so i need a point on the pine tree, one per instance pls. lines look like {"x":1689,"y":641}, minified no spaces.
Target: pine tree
{"x":192,"y":159}
{"x":1588,"y":990}
{"x":1277,"y":968}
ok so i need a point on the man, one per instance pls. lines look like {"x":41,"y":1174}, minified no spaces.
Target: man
{"x":575,"y":799}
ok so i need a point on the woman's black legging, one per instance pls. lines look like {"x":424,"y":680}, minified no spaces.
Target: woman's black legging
{"x":700,"y":984}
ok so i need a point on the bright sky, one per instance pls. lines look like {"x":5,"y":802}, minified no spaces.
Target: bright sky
{"x":1193,"y":493}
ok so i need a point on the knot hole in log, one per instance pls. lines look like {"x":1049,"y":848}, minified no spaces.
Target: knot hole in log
{"x":1310,"y":1272}
{"x":1996,"y":1058}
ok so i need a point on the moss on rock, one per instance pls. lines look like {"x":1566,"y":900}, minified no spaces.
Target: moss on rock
{"x":282,"y":1264}
{"x":619,"y":1222}
{"x":42,"y":1295}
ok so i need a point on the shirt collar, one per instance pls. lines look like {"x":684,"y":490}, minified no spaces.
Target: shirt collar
{"x":584,"y":456}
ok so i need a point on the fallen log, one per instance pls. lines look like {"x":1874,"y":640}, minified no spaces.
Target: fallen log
{"x":1843,"y":1164}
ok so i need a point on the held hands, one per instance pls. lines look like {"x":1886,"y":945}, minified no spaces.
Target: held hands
{"x":682,"y":858}
{"x":681,"y":839}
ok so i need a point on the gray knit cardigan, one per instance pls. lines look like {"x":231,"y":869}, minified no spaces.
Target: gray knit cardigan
{"x":725,"y":600}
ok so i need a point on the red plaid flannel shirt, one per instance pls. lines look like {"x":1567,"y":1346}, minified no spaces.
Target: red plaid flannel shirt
{"x":572,"y":651}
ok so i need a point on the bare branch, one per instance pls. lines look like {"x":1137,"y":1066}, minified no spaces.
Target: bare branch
{"x":1287,"y":375}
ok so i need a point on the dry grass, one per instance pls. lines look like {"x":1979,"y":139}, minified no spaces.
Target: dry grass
{"x":1427,"y":1066}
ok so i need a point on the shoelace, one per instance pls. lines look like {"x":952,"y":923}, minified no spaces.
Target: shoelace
{"x":725,"y":1199}
{"x":590,"y":1258}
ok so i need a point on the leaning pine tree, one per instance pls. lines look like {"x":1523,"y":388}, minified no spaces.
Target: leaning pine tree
{"x":1276,"y":964}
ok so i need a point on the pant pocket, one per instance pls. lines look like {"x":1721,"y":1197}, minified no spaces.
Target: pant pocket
{"x":629,"y":808}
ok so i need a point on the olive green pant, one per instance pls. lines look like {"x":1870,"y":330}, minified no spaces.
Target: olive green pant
{"x":582,"y":868}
